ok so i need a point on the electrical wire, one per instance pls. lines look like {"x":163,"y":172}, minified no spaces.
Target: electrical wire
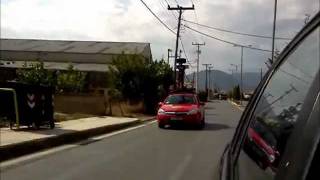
{"x":176,"y":2}
{"x":235,"y":32}
{"x":184,"y":52}
{"x":225,"y":41}
{"x":175,"y":16}
{"x":165,"y":25}
{"x":168,"y":15}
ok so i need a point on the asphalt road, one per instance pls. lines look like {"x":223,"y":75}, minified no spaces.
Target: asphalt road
{"x":142,"y":153}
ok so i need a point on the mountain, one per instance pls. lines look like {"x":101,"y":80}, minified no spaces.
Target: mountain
{"x":225,"y":81}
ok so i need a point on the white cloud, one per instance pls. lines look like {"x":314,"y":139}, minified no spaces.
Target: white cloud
{"x":129,"y":20}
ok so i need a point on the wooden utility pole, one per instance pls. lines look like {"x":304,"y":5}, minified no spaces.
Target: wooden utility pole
{"x":198,"y":56}
{"x":180,"y":9}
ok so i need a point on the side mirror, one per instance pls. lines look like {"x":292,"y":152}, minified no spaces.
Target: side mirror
{"x":160,"y":104}
{"x":202,"y":103}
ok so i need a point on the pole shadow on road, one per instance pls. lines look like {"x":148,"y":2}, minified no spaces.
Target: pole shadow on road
{"x":208,"y":127}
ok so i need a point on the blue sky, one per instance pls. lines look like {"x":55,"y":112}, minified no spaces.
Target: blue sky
{"x":129,"y":20}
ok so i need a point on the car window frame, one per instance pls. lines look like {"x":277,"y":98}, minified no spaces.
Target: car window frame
{"x":246,"y":118}
{"x":307,"y":133}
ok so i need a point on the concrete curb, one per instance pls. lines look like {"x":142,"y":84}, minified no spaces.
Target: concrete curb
{"x":15,"y":150}
{"x":147,"y":119}
{"x":237,"y":105}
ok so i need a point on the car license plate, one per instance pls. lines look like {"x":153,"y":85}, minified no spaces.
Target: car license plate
{"x":176,"y":118}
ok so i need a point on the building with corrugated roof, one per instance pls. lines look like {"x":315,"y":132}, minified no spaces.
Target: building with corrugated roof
{"x":93,"y":57}
{"x":57,"y":54}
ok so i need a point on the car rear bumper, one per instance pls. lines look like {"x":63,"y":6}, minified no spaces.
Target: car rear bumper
{"x":179,"y":119}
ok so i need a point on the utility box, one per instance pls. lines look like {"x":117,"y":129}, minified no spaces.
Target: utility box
{"x":181,"y":60}
{"x":34,"y":104}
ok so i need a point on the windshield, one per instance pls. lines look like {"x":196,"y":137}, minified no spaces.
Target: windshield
{"x":153,"y":89}
{"x":180,"y":99}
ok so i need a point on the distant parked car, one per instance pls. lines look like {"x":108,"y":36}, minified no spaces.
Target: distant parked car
{"x":181,"y":108}
{"x":278,"y":135}
{"x":222,"y":96}
{"x":247,"y":96}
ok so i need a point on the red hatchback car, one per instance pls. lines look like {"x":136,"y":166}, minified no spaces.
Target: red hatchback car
{"x":181,"y":108}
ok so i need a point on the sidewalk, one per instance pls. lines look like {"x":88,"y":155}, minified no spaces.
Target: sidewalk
{"x":14,"y":143}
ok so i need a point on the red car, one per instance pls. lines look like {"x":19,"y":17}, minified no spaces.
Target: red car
{"x":182,"y":108}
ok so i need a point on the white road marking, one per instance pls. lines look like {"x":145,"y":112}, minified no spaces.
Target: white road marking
{"x":179,"y":171}
{"x":38,"y":155}
{"x":34,"y":156}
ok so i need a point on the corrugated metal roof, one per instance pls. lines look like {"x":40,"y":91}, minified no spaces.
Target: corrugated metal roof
{"x":94,"y":47}
{"x":58,"y":66}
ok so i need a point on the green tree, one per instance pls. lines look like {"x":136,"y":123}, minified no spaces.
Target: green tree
{"x":36,"y":74}
{"x":158,"y":77}
{"x":138,"y":79}
{"x":71,"y":80}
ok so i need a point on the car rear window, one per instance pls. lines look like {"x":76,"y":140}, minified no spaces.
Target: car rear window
{"x":180,"y":99}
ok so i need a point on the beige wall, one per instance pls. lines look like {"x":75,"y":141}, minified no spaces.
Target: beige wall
{"x":86,"y":104}
{"x":94,"y":104}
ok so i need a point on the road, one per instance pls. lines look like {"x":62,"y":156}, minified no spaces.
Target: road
{"x":142,"y":153}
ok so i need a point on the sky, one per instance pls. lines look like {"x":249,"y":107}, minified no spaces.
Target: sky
{"x":130,"y":21}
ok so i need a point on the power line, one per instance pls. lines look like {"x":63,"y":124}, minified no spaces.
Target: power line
{"x":176,"y":2}
{"x":162,"y":4}
{"x":235,"y":32}
{"x":166,"y":1}
{"x":184,"y":52}
{"x":175,"y":16}
{"x":157,"y":17}
{"x":225,"y":41}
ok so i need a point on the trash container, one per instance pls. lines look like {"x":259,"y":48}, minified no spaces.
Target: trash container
{"x":34,"y":104}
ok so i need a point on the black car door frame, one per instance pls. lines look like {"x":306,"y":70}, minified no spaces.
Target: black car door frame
{"x":245,"y":120}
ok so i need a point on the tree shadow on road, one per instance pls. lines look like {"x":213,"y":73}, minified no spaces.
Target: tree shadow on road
{"x":211,"y":114}
{"x":215,"y":126}
{"x":208,"y":127}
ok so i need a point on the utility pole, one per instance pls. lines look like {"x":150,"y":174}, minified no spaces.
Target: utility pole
{"x":236,"y":66}
{"x":274,"y":29}
{"x":210,"y":89}
{"x":198,"y":59}
{"x":169,"y":50}
{"x":241,"y":70}
{"x":206,"y":65}
{"x":241,"y":77}
{"x":234,"y":80}
{"x":180,"y":9}
{"x":193,"y":79}
{"x":233,"y":84}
